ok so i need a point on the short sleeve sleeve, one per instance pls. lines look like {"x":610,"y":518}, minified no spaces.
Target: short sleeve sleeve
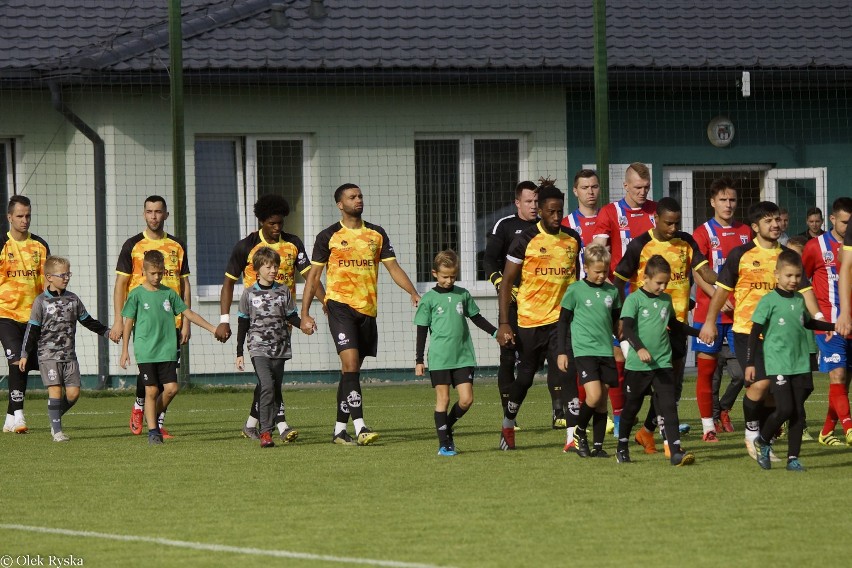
{"x":130,"y":306}
{"x":37,"y":311}
{"x":730,"y":272}
{"x":178,"y":305}
{"x":761,"y":312}
{"x":322,"y":250}
{"x":470,"y":307}
{"x":423,"y":315}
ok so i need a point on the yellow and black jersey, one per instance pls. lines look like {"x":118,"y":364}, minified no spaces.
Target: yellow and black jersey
{"x":749,"y":272}
{"x":683,"y":256}
{"x":289,"y":247}
{"x":21,"y":275}
{"x":134,"y":249}
{"x":352,"y":257}
{"x":549,"y":263}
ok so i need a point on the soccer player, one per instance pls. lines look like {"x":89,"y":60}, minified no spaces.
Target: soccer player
{"x":815,"y":221}
{"x":821,"y":260}
{"x":546,"y":257}
{"x":716,"y":239}
{"x":644,"y":317}
{"x":129,"y":274}
{"x":51,"y":330}
{"x":267,"y":310}
{"x":589,"y":317}
{"x":149,"y":314}
{"x":442,"y":313}
{"x":749,"y":272}
{"x":22,"y":257}
{"x":783,"y":320}
{"x":617,"y":224}
{"x":270,"y":211}
{"x":681,"y":252}
{"x":499,"y":239}
{"x":351,"y":251}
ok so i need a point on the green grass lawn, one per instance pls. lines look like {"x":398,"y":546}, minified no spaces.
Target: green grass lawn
{"x":398,"y":501}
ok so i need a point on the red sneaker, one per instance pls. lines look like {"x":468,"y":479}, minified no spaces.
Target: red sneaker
{"x":165,"y":433}
{"x":507,"y":439}
{"x":266,"y":440}
{"x":646,"y":440}
{"x":136,"y":419}
{"x":725,"y":418}
{"x":710,"y":437}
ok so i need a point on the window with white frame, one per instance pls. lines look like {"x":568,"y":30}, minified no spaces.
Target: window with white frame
{"x":463,"y":184}
{"x":231,"y":173}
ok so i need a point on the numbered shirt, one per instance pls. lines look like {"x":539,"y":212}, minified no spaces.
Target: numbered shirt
{"x":549,"y":263}
{"x":591,"y":327}
{"x":267,"y":311}
{"x":289,"y":247}
{"x":716,"y":241}
{"x":786,"y":345}
{"x":446,"y":314}
{"x":154,"y":312}
{"x":352,"y":258}
{"x":21,"y":275}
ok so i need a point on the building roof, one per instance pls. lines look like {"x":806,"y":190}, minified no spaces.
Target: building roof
{"x":91,"y":37}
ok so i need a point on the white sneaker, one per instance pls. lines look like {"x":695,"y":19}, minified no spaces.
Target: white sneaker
{"x":21,"y":426}
{"x":773,"y":457}
{"x":60,"y":437}
{"x":749,"y":444}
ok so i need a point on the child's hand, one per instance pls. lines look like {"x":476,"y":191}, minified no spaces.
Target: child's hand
{"x":419,"y":369}
{"x":644,"y":355}
{"x":309,"y":326}
{"x":22,"y":364}
{"x":562,"y":363}
{"x":505,"y":336}
{"x":241,"y":364}
{"x":125,"y":359}
{"x":750,"y":373}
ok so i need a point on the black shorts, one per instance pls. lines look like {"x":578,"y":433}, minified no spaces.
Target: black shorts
{"x":597,"y":369}
{"x":453,"y":377}
{"x":803,"y":380}
{"x":158,"y":374}
{"x":352,"y":329}
{"x":640,"y":382}
{"x":12,"y":337}
{"x":741,"y":350}
{"x":538,"y":344}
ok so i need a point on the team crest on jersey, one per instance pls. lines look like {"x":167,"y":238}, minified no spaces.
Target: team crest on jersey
{"x":664,"y":313}
{"x":714,"y":241}
{"x":828,"y":257}
{"x":50,"y":308}
{"x":608,"y":301}
{"x":373,"y":246}
{"x":256,"y":301}
{"x":167,"y":305}
{"x":459,"y":308}
{"x":622,"y":221}
{"x":36,"y":257}
{"x":743,"y":239}
{"x":174,"y":256}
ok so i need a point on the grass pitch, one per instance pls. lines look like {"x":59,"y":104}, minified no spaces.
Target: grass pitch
{"x":219,"y":500}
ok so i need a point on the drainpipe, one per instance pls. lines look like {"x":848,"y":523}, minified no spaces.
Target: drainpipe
{"x":101,"y":277}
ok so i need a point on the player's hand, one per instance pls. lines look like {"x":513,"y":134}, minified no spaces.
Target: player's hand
{"x":728,"y":307}
{"x":125,"y":360}
{"x":309,"y":325}
{"x":185,"y":333}
{"x":223,"y":332}
{"x":505,"y":336}
{"x":415,"y":299}
{"x":419,"y":369}
{"x":324,"y":309}
{"x":749,"y":374}
{"x":22,"y":364}
{"x":241,"y":364}
{"x":708,"y":333}
{"x":562,"y":362}
{"x":843,"y":325}
{"x":644,"y":355}
{"x":116,"y":331}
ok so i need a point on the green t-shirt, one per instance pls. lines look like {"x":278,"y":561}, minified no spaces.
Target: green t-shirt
{"x":445,"y":314}
{"x":786,"y":347}
{"x":651,"y":314}
{"x":154,"y":338}
{"x":591,"y":328}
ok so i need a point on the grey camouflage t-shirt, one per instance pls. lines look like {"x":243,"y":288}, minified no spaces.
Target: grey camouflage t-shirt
{"x":57,"y":316}
{"x":267,"y":311}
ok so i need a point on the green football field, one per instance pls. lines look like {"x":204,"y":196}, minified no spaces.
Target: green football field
{"x":211,"y":498}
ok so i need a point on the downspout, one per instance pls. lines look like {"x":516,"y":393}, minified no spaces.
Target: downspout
{"x":101,"y":277}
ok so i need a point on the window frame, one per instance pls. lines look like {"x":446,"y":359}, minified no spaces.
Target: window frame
{"x":467,"y":200}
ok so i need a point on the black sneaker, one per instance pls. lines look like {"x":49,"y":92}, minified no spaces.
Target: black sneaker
{"x":155,"y":438}
{"x":581,"y":443}
{"x":343,"y":439}
{"x":623,"y":456}
{"x":599,"y":453}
